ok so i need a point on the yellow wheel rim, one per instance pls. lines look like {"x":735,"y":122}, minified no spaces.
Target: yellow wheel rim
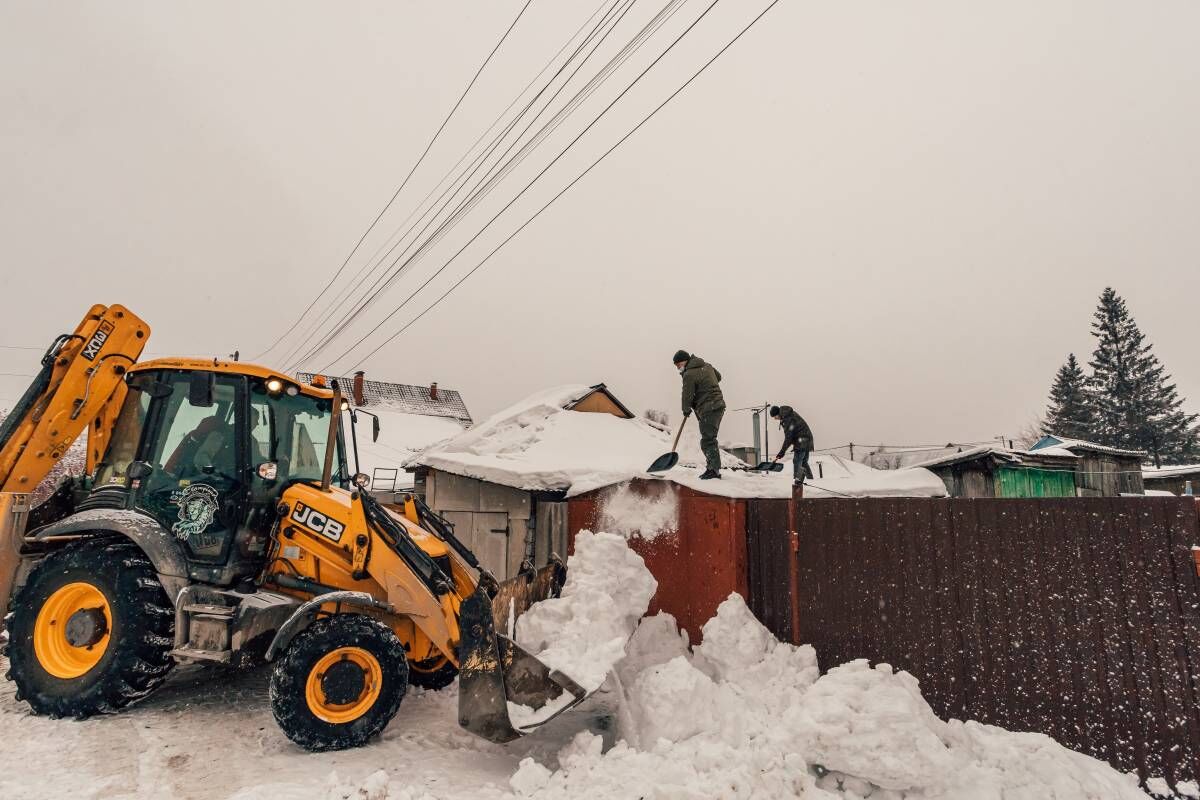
{"x":339,"y":713}
{"x":83,"y":609}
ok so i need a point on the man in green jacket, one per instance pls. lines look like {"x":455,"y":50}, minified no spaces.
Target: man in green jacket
{"x":702,"y":394}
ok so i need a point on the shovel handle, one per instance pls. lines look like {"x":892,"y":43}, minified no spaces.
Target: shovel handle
{"x":678,"y":433}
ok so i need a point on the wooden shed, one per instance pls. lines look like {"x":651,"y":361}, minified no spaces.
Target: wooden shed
{"x":1003,"y":472}
{"x":1173,"y":479}
{"x":1101,"y":471}
{"x":507,"y":520}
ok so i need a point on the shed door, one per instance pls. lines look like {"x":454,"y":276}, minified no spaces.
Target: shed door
{"x":486,"y":533}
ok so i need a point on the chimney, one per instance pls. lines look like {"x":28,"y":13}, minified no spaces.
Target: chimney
{"x":358,"y":389}
{"x":433,"y":395}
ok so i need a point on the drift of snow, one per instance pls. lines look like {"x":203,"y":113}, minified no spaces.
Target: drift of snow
{"x":747,"y":716}
{"x":631,"y":513}
{"x":582,"y":633}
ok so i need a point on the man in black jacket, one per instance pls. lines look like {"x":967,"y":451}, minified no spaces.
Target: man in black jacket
{"x":797,"y":435}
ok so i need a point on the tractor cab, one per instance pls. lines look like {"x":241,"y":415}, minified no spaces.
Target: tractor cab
{"x":207,"y":448}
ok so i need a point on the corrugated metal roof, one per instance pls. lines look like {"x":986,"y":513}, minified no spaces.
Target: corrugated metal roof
{"x":404,"y":397}
{"x":1171,"y":472}
{"x":1079,"y":444}
{"x":998,"y":453}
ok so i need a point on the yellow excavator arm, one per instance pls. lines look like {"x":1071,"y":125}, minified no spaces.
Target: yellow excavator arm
{"x":81,"y":384}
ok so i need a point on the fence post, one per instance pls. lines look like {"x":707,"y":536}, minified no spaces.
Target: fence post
{"x":794,"y":563}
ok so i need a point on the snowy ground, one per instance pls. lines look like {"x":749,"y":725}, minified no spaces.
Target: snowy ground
{"x":208,"y":734}
{"x":739,"y":716}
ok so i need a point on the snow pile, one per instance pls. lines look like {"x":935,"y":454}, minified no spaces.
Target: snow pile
{"x":631,"y":513}
{"x":583,"y":632}
{"x":746,"y":716}
{"x":540,"y":444}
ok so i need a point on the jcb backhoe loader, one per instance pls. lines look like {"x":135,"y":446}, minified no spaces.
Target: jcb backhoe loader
{"x":218,"y":522}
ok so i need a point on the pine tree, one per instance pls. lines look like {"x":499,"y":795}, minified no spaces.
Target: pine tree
{"x":1137,"y":407}
{"x":1071,"y":414}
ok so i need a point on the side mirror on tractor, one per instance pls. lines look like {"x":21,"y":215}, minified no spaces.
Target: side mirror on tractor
{"x":268,"y":470}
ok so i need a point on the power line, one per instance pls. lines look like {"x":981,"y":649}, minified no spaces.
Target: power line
{"x":573,"y":182}
{"x":294,"y":357}
{"x":537,"y":177}
{"x":367,"y":268}
{"x":403,"y":183}
{"x":501,"y":168}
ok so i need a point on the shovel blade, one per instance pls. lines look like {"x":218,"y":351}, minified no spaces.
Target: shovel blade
{"x":664,"y":462}
{"x":494,"y":670}
{"x":770,"y":466}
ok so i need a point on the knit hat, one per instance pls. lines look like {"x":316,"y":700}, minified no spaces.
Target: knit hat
{"x":681,"y":355}
{"x":774,"y":411}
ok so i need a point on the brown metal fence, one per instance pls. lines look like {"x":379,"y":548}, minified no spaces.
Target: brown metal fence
{"x":1078,"y":618}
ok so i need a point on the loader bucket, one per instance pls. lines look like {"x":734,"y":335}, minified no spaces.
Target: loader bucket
{"x":495,"y":671}
{"x":517,"y":595}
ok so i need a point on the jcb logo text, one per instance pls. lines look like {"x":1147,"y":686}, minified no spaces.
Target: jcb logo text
{"x":317,"y":522}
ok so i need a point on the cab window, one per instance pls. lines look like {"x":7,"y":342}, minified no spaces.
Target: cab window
{"x":122,"y":448}
{"x":197,"y":440}
{"x":291,"y":430}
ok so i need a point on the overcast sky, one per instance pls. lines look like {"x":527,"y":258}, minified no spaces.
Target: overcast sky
{"x":895,"y":216}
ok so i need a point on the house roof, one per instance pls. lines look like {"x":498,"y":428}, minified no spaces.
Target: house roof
{"x":540,"y":444}
{"x":404,"y":397}
{"x":1000,"y":455}
{"x":600,"y":388}
{"x":1079,"y":444}
{"x":1178,"y":471}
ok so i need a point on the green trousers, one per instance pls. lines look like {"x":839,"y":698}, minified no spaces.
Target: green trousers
{"x":710,"y":425}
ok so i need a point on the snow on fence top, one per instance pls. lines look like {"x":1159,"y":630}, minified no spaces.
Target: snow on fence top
{"x":541,"y":444}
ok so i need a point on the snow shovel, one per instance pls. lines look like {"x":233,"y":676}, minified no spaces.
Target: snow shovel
{"x":668,"y":460}
{"x":763,"y":466}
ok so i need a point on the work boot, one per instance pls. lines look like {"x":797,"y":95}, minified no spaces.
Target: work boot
{"x":709,"y":474}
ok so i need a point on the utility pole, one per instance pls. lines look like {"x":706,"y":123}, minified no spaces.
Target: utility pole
{"x":758,"y":450}
{"x":852,"y":451}
{"x":766,"y":430}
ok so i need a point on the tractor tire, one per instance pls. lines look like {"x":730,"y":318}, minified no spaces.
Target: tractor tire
{"x":91,"y":631}
{"x":433,"y":674}
{"x":339,"y":682}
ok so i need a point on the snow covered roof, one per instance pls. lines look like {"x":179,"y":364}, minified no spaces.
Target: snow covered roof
{"x":1079,"y":444}
{"x":404,"y":397}
{"x":401,"y":436}
{"x":999,"y":454}
{"x":1177,"y":471}
{"x":540,"y":444}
